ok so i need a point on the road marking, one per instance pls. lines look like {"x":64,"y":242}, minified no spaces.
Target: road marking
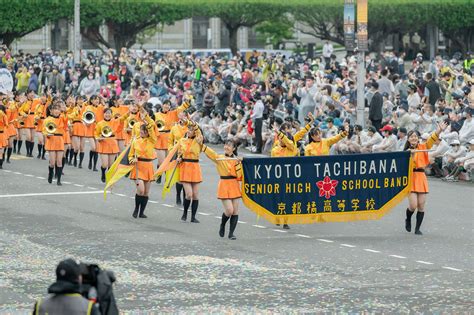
{"x":204,"y":213}
{"x":91,"y":187}
{"x":259,"y":226}
{"x":397,"y":256}
{"x":424,"y":262}
{"x":77,"y":185}
{"x":166,"y":205}
{"x":7,"y":171}
{"x":242,"y":222}
{"x":29,"y":175}
{"x":53,"y":194}
{"x":39,"y":177}
{"x":18,"y":173}
{"x":348,"y":245}
{"x":152,"y":201}
{"x":302,"y":235}
{"x":280,"y":231}
{"x":217,"y":217}
{"x":371,"y":250}
{"x":121,"y":195}
{"x":67,"y":183}
{"x":325,"y":241}
{"x":451,"y":268}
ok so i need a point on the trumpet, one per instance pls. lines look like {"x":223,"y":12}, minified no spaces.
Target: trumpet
{"x":131,"y":123}
{"x":88,"y":117}
{"x":50,"y":127}
{"x":160,"y":124}
{"x":106,"y":132}
{"x":21,"y":122}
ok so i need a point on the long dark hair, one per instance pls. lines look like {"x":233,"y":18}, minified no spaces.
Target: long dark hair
{"x":314,"y":131}
{"x":234,"y":145}
{"x":407,"y":144}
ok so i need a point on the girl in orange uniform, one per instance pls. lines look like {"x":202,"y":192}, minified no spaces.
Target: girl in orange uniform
{"x":142,"y":153}
{"x":40,"y":115}
{"x":55,"y":141}
{"x":78,"y":130}
{"x":12,"y":134}
{"x":319,"y":146}
{"x":89,"y":131}
{"x":27,"y":113}
{"x":119,"y":110}
{"x":107,"y":146}
{"x":3,"y":134}
{"x":229,"y":168}
{"x":168,"y":117}
{"x":177,"y":132}
{"x":419,"y":189}
{"x":190,"y":171}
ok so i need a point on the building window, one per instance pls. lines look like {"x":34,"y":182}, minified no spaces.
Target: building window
{"x":200,"y":26}
{"x":255,"y":41}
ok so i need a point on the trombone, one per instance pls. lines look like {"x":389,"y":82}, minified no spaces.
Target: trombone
{"x":88,"y":117}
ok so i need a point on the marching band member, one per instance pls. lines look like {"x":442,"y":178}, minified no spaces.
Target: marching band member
{"x":319,"y":146}
{"x":177,"y":132}
{"x":190,"y":171}
{"x":40,"y":115}
{"x":53,"y":129}
{"x":107,"y":144}
{"x":131,"y":116}
{"x":142,"y":153}
{"x":15,"y":121}
{"x":417,"y":196}
{"x":12,"y":134}
{"x":90,"y":129}
{"x":230,"y":171}
{"x":168,"y":118}
{"x":27,"y":124}
{"x":3,"y":134}
{"x":78,"y":129}
{"x":119,"y":110}
{"x":66,"y":135}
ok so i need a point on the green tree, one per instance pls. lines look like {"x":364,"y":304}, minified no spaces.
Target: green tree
{"x":126,"y":19}
{"x":276,"y":30}
{"x":19,"y":18}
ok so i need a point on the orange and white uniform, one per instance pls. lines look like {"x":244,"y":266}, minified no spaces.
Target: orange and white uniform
{"x":288,"y":148}
{"x":177,"y":132}
{"x":55,"y":142}
{"x":144,"y":150}
{"x":230,"y":172}
{"x":127,"y":133}
{"x":75,"y":116}
{"x":12,"y":115}
{"x":118,"y":112}
{"x":107,"y":145}
{"x":89,"y":129}
{"x":419,"y":161}
{"x":3,"y":130}
{"x":322,"y":147}
{"x":169,"y":118}
{"x":189,"y":168}
{"x":40,"y":115}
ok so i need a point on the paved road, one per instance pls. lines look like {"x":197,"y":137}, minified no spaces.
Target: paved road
{"x":165,"y":265}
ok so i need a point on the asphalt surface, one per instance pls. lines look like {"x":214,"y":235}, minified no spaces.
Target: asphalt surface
{"x":165,"y":265}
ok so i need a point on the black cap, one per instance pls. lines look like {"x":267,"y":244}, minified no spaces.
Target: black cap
{"x":372,"y":128}
{"x":402,"y":130}
{"x":469,"y":110}
{"x":68,"y":270}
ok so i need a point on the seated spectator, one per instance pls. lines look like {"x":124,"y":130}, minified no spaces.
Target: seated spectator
{"x":389,"y":142}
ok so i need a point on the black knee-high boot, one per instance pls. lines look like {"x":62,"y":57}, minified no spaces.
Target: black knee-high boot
{"x":81,"y":158}
{"x":91,"y":159}
{"x":419,"y":219}
{"x":14,"y":145}
{"x":39,"y":150}
{"x":96,"y":157}
{"x":194,"y":208}
{"x":43,"y":153}
{"x":233,"y":224}
{"x":27,"y":145}
{"x":20,"y":143}
{"x":1,"y":163}
{"x":75,"y":159}
{"x":9,"y":154}
{"x":179,"y":188}
{"x":408,"y":220}
{"x":64,"y":163}
{"x":142,"y":207}
{"x":138,"y":200}
{"x":186,"y":204}
{"x":59,"y":171}
{"x":50,"y":174}
{"x":103,"y":169}
{"x":32,"y":145}
{"x":223,"y":222}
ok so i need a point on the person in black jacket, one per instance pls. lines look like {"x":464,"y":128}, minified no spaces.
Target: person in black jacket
{"x":432,"y":92}
{"x":375,"y":107}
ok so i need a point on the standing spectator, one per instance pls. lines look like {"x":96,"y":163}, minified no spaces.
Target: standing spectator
{"x":125,"y":76}
{"x":22,"y":76}
{"x":307,"y":93}
{"x":432,"y":91}
{"x":385,"y":85}
{"x":55,"y":80}
{"x":401,"y":89}
{"x":33,"y":83}
{"x":89,"y":86}
{"x":257,"y":118}
{"x":328,"y":49}
{"x":413,"y":99}
{"x":375,"y":107}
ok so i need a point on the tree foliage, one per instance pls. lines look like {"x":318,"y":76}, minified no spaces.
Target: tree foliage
{"x":277,"y":31}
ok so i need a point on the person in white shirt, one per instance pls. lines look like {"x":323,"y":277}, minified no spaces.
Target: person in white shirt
{"x":463,"y":164}
{"x":466,"y":133}
{"x":328,"y":49}
{"x":373,"y":138}
{"x":307,"y":102}
{"x":402,"y":139}
{"x":413,"y":98}
{"x":257,"y":118}
{"x":389,"y":142}
{"x":455,"y":151}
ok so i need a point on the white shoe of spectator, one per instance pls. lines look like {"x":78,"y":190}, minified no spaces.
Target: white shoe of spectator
{"x":447,"y":178}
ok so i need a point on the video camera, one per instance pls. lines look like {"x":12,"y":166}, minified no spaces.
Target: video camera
{"x":97,"y":286}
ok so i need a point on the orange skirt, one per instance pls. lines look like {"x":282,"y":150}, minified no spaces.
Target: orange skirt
{"x":11,"y":131}
{"x":120,"y":134}
{"x":55,"y":143}
{"x":419,"y":183}
{"x":190,"y":172}
{"x":39,"y":126}
{"x":67,"y":138}
{"x":228,"y":189}
{"x":30,"y":122}
{"x":162,"y":141}
{"x":89,"y":130}
{"x":107,"y":146}
{"x":3,"y":139}
{"x":145,"y":171}
{"x":127,"y":137}
{"x":78,"y":129}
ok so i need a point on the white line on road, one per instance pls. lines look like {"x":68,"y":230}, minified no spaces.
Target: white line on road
{"x":91,"y":187}
{"x":217,"y":217}
{"x":279,"y":231}
{"x":121,"y":195}
{"x":166,"y":205}
{"x":152,"y":201}
{"x":53,"y":194}
{"x":348,"y":245}
{"x":18,"y":173}
{"x":259,"y":226}
{"x":302,"y":235}
{"x":371,"y":250}
{"x":451,"y":268}
{"x":397,"y":256}
{"x":7,"y":171}
{"x":39,"y":177}
{"x":424,"y":262}
{"x":77,"y":185}
{"x":29,"y":175}
{"x":204,"y":213}
{"x":325,"y":241}
{"x":242,"y":222}
{"x":67,"y":183}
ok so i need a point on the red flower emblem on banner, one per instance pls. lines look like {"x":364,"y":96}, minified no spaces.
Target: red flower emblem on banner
{"x":327,"y":187}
